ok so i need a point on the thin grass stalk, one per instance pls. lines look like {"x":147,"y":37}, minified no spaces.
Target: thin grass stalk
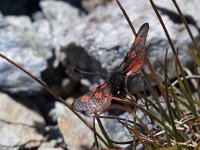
{"x":183,"y":87}
{"x":52,"y":92}
{"x":184,"y":90}
{"x":195,"y":57}
{"x":134,"y":32}
{"x":173,"y":94}
{"x":95,"y":135}
{"x":150,"y":114}
{"x":190,"y":98}
{"x":171,"y":116}
{"x":134,"y":124}
{"x":157,"y":80}
{"x":186,"y":25}
{"x":121,"y":120}
{"x":167,"y":101}
{"x":126,"y":16}
{"x":137,"y":135}
{"x":149,"y":133}
{"x":160,"y":109}
{"x":148,"y":144}
{"x":153,"y":105}
{"x":175,"y":99}
{"x":151,"y":68}
{"x":110,"y":145}
{"x":148,"y":101}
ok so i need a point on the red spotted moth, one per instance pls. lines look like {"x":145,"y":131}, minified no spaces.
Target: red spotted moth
{"x":99,"y":99}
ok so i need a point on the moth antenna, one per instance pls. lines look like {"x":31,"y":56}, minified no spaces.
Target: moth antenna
{"x":88,"y":73}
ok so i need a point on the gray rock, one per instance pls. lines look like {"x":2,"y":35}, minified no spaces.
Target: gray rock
{"x":38,"y":16}
{"x":16,"y":135}
{"x":62,"y":19}
{"x":62,"y":13}
{"x":89,"y":5}
{"x":104,"y":37}
{"x":76,"y":134}
{"x":189,"y":9}
{"x":51,"y":145}
{"x":1,"y":16}
{"x":117,"y":131}
{"x":20,"y":42}
{"x":19,"y":126}
{"x":21,"y":22}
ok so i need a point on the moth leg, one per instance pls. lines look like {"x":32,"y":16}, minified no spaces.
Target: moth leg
{"x":126,"y":89}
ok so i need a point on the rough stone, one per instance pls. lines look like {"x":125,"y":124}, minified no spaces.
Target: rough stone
{"x":75,"y":133}
{"x":102,"y":37}
{"x":17,"y":22}
{"x":51,"y":145}
{"x":105,"y":37}
{"x":27,"y":48}
{"x":59,"y":26}
{"x":117,"y":131}
{"x":1,"y":16}
{"x":90,"y":5}
{"x":19,"y":126}
{"x":18,"y":135}
{"x":189,"y":9}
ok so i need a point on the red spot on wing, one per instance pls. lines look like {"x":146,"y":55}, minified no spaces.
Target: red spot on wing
{"x":131,"y":54}
{"x":137,"y":64}
{"x":137,"y":40}
{"x":85,"y":98}
{"x":98,"y":95}
{"x":103,"y":86}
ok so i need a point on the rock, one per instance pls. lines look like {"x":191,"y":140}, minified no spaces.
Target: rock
{"x":51,"y":145}
{"x":104,"y":38}
{"x":117,"y":131}
{"x":37,"y":16}
{"x":188,"y":8}
{"x":1,"y":16}
{"x":59,"y":26}
{"x":17,"y":22}
{"x":14,"y":111}
{"x":19,"y":126}
{"x":76,"y":134}
{"x":20,"y":42}
{"x":62,"y":10}
{"x":90,"y":5}
{"x":19,"y":135}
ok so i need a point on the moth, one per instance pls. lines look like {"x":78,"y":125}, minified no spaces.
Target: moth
{"x":99,"y":99}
